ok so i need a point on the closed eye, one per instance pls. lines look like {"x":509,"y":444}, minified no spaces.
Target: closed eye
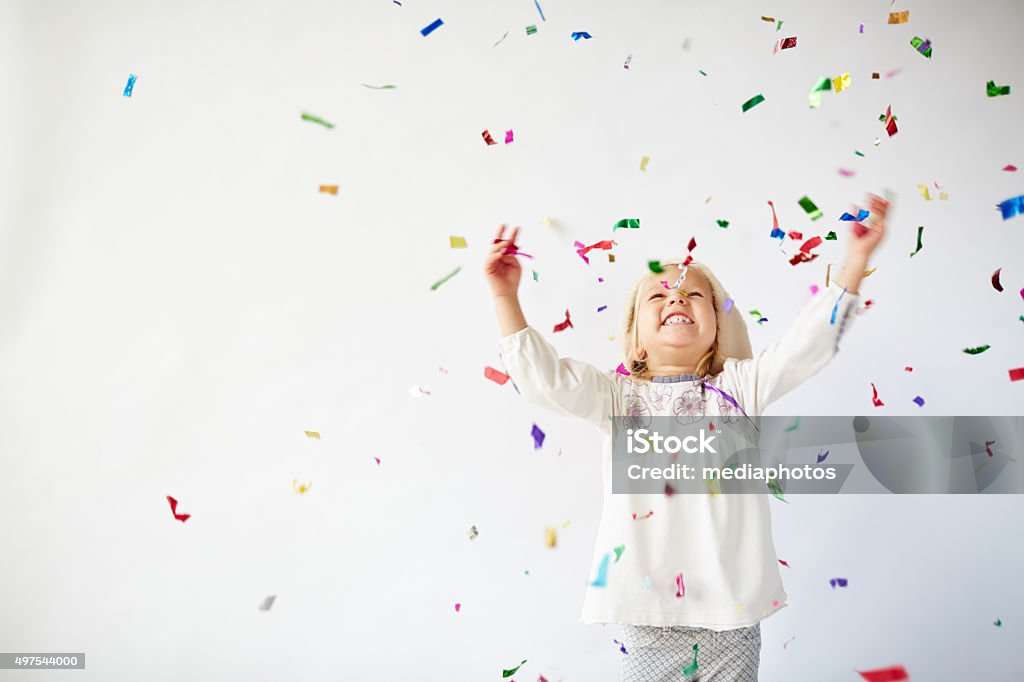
{"x":656,"y":296}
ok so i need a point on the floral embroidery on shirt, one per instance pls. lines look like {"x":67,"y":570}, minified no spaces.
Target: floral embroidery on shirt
{"x":638,"y":412}
{"x":660,"y":395}
{"x":688,"y":407}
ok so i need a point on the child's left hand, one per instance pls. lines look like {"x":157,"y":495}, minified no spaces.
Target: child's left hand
{"x":867,"y":237}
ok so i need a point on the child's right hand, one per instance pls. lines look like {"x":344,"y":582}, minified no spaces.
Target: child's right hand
{"x":502,"y":270}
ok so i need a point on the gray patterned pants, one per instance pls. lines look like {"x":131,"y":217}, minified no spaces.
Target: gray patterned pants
{"x":659,"y":654}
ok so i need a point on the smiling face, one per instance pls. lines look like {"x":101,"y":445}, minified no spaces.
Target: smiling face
{"x":676,"y":327}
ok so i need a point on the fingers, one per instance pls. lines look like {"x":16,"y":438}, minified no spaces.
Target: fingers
{"x":515,"y":233}
{"x":501,"y":231}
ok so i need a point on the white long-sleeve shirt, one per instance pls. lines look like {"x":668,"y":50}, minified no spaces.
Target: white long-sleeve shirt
{"x":722,"y":544}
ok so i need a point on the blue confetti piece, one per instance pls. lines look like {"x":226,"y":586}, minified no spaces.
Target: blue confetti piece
{"x":538,"y":437}
{"x":430,"y":29}
{"x":835,"y":308}
{"x":131,"y":84}
{"x":647,"y":582}
{"x":920,"y":401}
{"x":1012,"y":207}
{"x":777,"y":233}
{"x":602,"y":572}
{"x":539,"y":10}
{"x":576,"y":35}
{"x":861,"y":215}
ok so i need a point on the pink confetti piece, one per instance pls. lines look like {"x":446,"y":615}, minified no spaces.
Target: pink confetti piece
{"x":377,"y":459}
{"x":784,"y":563}
{"x":418,"y":392}
{"x":680,"y":587}
{"x":508,"y":136}
{"x":1010,"y":167}
{"x":874,"y":397}
{"x":494,"y":375}
{"x":814,"y":290}
{"x":645,"y":516}
{"x":458,"y":607}
{"x":846,"y":173}
{"x":442,"y":370}
{"x":621,"y":369}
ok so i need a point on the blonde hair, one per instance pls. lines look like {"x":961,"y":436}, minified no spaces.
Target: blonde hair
{"x":636,"y":359}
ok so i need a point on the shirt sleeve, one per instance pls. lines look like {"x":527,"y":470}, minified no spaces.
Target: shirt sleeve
{"x":564,"y":385}
{"x":807,"y":346}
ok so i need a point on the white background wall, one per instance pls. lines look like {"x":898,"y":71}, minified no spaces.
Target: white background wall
{"x":179,"y":304}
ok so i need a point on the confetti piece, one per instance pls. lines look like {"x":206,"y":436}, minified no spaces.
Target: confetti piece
{"x":923,"y":190}
{"x":550,"y":537}
{"x":562,"y":326}
{"x":538,"y":437}
{"x":576,"y":35}
{"x":602,"y":572}
{"x":643,"y":162}
{"x":329,"y":189}
{"x":874,"y":397}
{"x":998,"y":623}
{"x":794,"y":426}
{"x":841,"y":582}
{"x":377,"y":459}
{"x":647,"y":582}
{"x":644,"y":517}
{"x":427,"y":30}
{"x":920,"y":231}
{"x":604,"y":307}
{"x":756,"y":314}
{"x":924,"y":47}
{"x":846,"y":173}
{"x":804,"y":255}
{"x":511,"y":672}
{"x":689,"y":259}
{"x":784,"y":44}
{"x":831,"y":237}
{"x":776,"y":232}
{"x":1012,"y":207}
{"x":655,"y":266}
{"x":621,"y":369}
{"x":680,"y":587}
{"x":622,"y":647}
{"x":618,"y":552}
{"x":727,"y":305}
{"x":301,"y":488}
{"x":1017,"y":374}
{"x":861,"y":215}
{"x":861,"y":27}
{"x":890,"y":122}
{"x":752,"y":102}
{"x":823,"y":84}
{"x":531,"y":29}
{"x":814,"y":289}
{"x":313,"y":434}
{"x":701,"y":72}
{"x":502,"y":38}
{"x":131,"y":84}
{"x":994,"y":90}
{"x":174,"y":510}
{"x":776,"y":491}
{"x":268,"y":602}
{"x":418,"y":392}
{"x":435,"y":285}
{"x":892,"y":674}
{"x":812,"y":211}
{"x":629,"y":58}
{"x":379,"y":87}
{"x":583,"y":250}
{"x":840,"y":83}
{"x":821,"y":457}
{"x":875,"y":75}
{"x":487,"y":137}
{"x":691,"y":669}
{"x":785,"y":645}
{"x":508,"y":136}
{"x":899,"y":17}
{"x":784,"y":563}
{"x":494,"y":375}
{"x":457,"y":242}
{"x":722,"y":223}
{"x":537,"y":5}
{"x":995,"y":280}
{"x":458,"y":607}
{"x":1010,"y":167}
{"x":473,"y":533}
{"x":857,"y":153}
{"x":631,"y":223}
{"x":770,"y":20}
{"x":316,"y":119}
{"x":534,"y":275}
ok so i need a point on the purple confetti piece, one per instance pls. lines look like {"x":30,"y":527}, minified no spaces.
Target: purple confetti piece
{"x":538,"y":437}
{"x":601,"y":308}
{"x":920,"y":401}
{"x":841,"y":582}
{"x":862,"y":27}
{"x":727,"y":305}
{"x":426,"y":31}
{"x":821,"y":458}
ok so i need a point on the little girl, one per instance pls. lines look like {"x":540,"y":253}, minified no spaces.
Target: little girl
{"x":685,"y":356}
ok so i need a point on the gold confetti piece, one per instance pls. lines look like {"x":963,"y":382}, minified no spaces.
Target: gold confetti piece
{"x":840,"y":83}
{"x":473,"y":533}
{"x":301,"y":488}
{"x":611,"y":338}
{"x":770,"y":20}
{"x":457,"y":242}
{"x":714,"y":486}
{"x":313,"y":434}
{"x":707,"y":201}
{"x":875,"y":75}
{"x":923,"y":189}
{"x":611,"y":257}
{"x":547,"y":221}
{"x":566,"y":524}
{"x":549,"y":537}
{"x":877,"y":142}
{"x":943,"y":196}
{"x":643,"y":162}
{"x":899,"y":17}
{"x":329,"y":189}
{"x":867,"y":273}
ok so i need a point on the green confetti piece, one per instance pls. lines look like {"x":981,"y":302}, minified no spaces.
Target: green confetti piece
{"x":857,"y":153}
{"x":920,"y":231}
{"x":632,"y":223}
{"x":881,"y":118}
{"x":655,"y":266}
{"x":316,"y":119}
{"x":977,"y":350}
{"x":702,"y":73}
{"x":531,"y":29}
{"x":773,"y":486}
{"x":998,"y":623}
{"x":794,"y":426}
{"x":618,"y":551}
{"x":752,"y":102}
{"x":380,"y":87}
{"x":510,"y":673}
{"x":778,"y":26}
{"x":722,"y":223}
{"x":918,"y":43}
{"x":812,"y":211}
{"x":1022,"y":318}
{"x":435,"y":285}
{"x":831,"y":237}
{"x":502,"y":38}
{"x":534,"y":275}
{"x":691,"y":669}
{"x":996,"y":90}
{"x":823,"y":84}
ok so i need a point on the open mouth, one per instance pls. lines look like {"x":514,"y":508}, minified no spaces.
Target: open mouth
{"x":676,"y":318}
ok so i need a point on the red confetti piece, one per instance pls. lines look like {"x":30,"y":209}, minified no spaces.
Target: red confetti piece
{"x":645,"y":516}
{"x":562,"y":326}
{"x":680,"y":587}
{"x":1010,"y":168}
{"x":908,"y":369}
{"x":988,"y":447}
{"x":174,"y":510}
{"x":893,"y":674}
{"x":494,"y":375}
{"x":890,"y":122}
{"x":874,"y":397}
{"x":669,"y":490}
{"x":378,"y":460}
{"x":995,"y":280}
{"x":796,"y":235}
{"x":487,"y":137}
{"x":784,"y":563}
{"x":582,"y":250}
{"x":775,"y":221}
{"x":805,"y":255}
{"x":689,"y":251}
{"x":1017,"y":374}
{"x":711,"y":426}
